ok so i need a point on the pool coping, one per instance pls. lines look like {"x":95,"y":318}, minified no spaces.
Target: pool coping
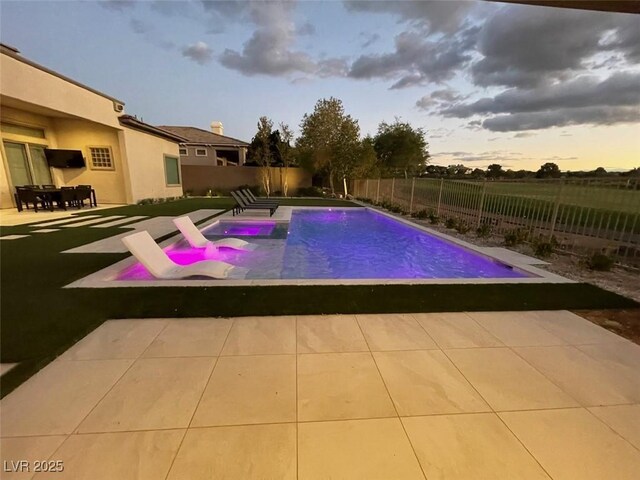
{"x":105,"y":278}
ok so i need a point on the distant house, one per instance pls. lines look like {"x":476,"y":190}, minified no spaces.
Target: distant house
{"x":42,"y":112}
{"x":211,"y":148}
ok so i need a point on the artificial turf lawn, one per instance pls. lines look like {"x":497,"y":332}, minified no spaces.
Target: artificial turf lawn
{"x":40,"y":319}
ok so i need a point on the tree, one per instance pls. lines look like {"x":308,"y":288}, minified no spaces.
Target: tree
{"x":548,"y":170}
{"x":367,"y":164}
{"x":495,"y":171}
{"x":401,"y":147}
{"x":286,"y":153}
{"x":263,"y":154}
{"x":329,"y":139}
{"x":478,"y":173}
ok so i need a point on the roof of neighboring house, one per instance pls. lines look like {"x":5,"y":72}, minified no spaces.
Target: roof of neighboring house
{"x":15,"y":53}
{"x":198,"y":136}
{"x":133,"y":122}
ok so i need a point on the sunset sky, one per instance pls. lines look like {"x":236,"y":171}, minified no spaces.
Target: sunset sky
{"x":489,"y":82}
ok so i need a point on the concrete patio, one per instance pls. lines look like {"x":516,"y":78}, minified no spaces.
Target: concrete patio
{"x":492,"y":395}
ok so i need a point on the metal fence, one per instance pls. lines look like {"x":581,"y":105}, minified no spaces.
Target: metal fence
{"x":583,"y":215}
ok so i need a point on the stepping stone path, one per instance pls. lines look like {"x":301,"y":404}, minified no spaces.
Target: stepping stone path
{"x":156,"y":226}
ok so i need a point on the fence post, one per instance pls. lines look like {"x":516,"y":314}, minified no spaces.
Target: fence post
{"x":366,"y":190}
{"x":439,"y":197}
{"x":484,"y":188}
{"x":556,"y":206}
{"x":378,"y":192}
{"x":393,"y":185}
{"x":413,"y":187}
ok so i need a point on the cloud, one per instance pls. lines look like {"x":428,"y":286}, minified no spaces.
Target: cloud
{"x":439,"y":98}
{"x":269,"y":50}
{"x":525,"y":46}
{"x":118,"y":5}
{"x":487,"y":157}
{"x":438,"y":16}
{"x":524,"y":135}
{"x":584,"y":100}
{"x":562,"y":117}
{"x":199,"y":52}
{"x":306,"y":29}
{"x":416,"y":60}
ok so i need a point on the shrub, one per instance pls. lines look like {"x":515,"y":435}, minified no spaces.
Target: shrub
{"x":484,"y":230}
{"x":462,"y":227}
{"x":310,"y":192}
{"x":433,"y":218}
{"x":543,"y":247}
{"x":421,"y":214}
{"x":600,"y":262}
{"x":451,"y":222}
{"x":515,"y":237}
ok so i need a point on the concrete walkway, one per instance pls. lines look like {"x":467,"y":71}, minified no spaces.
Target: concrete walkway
{"x":527,"y":395}
{"x":11,"y":216}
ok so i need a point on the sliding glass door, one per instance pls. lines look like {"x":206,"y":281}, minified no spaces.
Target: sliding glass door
{"x":27,"y":164}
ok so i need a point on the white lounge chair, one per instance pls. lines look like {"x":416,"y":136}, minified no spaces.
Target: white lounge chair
{"x":197,"y":240}
{"x":149,"y":253}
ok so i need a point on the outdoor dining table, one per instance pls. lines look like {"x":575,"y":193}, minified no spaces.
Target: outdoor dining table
{"x":50,"y":195}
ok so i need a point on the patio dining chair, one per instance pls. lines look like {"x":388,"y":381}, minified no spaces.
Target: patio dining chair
{"x":156,"y":261}
{"x":26,"y":195}
{"x":68,"y":196}
{"x":197,"y":240}
{"x":83,"y":192}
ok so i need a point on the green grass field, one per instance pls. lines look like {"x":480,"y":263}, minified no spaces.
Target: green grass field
{"x":581,"y":207}
{"x":41,"y":319}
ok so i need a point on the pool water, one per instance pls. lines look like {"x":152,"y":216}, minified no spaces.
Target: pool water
{"x":241,"y":229}
{"x":338,"y":244}
{"x":365,"y":244}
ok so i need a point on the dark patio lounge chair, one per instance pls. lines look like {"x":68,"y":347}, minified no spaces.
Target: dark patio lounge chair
{"x":251,"y":198}
{"x":241,"y":205}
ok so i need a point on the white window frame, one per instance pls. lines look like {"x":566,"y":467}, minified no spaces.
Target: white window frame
{"x":90,"y":155}
{"x":202,"y":150}
{"x":185,"y":149}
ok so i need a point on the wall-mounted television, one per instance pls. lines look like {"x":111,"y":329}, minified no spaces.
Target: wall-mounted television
{"x":64,"y":158}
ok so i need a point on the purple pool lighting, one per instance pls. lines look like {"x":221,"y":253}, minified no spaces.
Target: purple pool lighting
{"x":241,"y":229}
{"x":359,"y":243}
{"x":184,"y":256}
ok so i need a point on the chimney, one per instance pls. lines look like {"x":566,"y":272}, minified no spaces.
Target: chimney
{"x":216,"y":127}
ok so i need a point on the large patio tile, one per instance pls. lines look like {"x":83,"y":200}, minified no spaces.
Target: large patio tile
{"x":122,"y":456}
{"x":624,"y":419}
{"x":156,"y":393}
{"x":624,"y":356}
{"x":356,"y":450}
{"x":249,"y":389}
{"x":572,"y":444}
{"x":334,"y":386}
{"x":116,"y":339}
{"x":29,"y":449}
{"x":586,"y":379}
{"x":574,"y":329}
{"x":261,"y":335}
{"x":56,"y":399}
{"x":516,"y":329}
{"x":473,"y":446}
{"x":394,"y":332}
{"x":330,"y":333}
{"x":426,"y":382}
{"x":190,"y":337}
{"x":506,"y":381}
{"x":456,"y":330}
{"x":254,"y":452}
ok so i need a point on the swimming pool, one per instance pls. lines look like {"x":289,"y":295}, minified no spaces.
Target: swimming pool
{"x":339,"y":244}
